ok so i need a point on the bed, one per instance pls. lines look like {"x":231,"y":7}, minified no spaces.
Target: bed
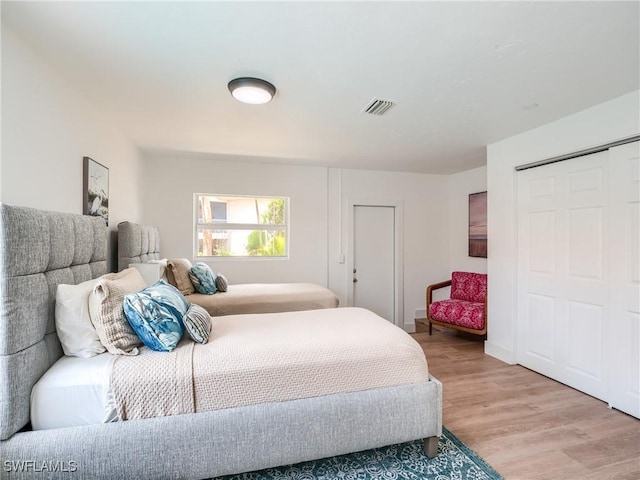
{"x":141,"y":244}
{"x":43,"y":249}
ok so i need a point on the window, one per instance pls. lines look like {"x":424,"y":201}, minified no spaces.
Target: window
{"x":241,"y":226}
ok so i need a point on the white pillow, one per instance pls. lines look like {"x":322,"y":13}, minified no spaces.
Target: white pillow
{"x":163,"y":268}
{"x":75,"y":330}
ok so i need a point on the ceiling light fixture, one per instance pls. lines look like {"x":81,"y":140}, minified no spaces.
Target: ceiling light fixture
{"x":251,"y":90}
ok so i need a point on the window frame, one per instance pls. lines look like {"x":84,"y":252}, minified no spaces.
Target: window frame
{"x":239,"y":227}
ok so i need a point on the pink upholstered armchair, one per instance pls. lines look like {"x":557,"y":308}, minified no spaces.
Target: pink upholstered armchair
{"x":466,"y":309}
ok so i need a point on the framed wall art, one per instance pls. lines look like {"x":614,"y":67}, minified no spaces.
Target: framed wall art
{"x":95,"y":189}
{"x":478,"y":225}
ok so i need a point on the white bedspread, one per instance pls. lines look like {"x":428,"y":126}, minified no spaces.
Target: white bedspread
{"x":275,"y":357}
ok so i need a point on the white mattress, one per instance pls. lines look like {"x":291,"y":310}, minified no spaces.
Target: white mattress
{"x":73,"y":392}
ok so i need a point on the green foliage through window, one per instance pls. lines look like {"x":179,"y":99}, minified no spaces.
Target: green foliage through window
{"x":241,"y":226}
{"x":265,"y":242}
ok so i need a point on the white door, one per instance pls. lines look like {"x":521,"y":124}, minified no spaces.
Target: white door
{"x":563,"y":289}
{"x":374,"y":253}
{"x":624,"y":329}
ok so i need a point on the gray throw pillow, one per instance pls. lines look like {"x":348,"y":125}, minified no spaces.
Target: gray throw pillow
{"x":221,"y":283}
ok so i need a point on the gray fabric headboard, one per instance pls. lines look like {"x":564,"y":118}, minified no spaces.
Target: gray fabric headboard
{"x":137,"y":244}
{"x":38,"y":251}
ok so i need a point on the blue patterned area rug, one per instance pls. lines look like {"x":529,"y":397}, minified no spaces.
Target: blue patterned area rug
{"x":406,"y":461}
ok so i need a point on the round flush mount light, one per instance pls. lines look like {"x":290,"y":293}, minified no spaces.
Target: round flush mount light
{"x":251,"y":90}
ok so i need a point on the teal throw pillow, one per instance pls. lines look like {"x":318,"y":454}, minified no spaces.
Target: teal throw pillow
{"x":203,"y":278}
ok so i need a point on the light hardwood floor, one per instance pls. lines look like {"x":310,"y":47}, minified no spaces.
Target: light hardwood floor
{"x":525,"y":425}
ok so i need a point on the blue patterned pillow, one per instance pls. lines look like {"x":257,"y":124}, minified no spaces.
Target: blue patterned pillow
{"x":156,"y":315}
{"x":203,"y":278}
{"x":197,"y":322}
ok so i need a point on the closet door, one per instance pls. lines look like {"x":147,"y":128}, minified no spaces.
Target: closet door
{"x":563,"y":292}
{"x":624,"y":329}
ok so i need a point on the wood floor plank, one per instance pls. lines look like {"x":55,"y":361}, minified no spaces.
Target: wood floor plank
{"x":551,"y":466}
{"x":607,"y":450}
{"x":525,"y":425}
{"x":626,"y":470}
{"x":526,"y":444}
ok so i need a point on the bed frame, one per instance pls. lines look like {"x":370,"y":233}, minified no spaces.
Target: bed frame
{"x":137,"y":244}
{"x":38,"y":251}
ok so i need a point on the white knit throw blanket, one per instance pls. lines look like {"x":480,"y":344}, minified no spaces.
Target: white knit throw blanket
{"x":137,"y":388}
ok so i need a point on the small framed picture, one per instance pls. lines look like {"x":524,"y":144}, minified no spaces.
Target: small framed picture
{"x":95,"y":189}
{"x":478,"y":225}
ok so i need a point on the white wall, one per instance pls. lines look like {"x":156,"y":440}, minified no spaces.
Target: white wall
{"x":612,"y":120}
{"x":460,"y":186}
{"x":47,"y":129}
{"x":319,"y":202}
{"x":425,"y":229}
{"x":170,"y":181}
{"x":319,"y":230}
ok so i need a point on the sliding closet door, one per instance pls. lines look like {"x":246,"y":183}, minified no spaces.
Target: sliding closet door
{"x":624,"y":331}
{"x":563,"y":292}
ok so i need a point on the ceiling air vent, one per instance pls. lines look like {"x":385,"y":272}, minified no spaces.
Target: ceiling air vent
{"x":378,"y":106}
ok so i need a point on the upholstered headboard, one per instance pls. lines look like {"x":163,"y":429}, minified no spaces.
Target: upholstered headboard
{"x":38,"y":251}
{"x":137,"y":244}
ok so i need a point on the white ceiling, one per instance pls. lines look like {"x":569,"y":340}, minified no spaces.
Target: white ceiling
{"x":463,"y":74}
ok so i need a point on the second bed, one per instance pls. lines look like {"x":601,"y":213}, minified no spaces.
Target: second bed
{"x":141,"y":244}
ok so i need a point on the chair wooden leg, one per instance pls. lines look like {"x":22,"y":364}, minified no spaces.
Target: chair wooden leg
{"x":430,"y":327}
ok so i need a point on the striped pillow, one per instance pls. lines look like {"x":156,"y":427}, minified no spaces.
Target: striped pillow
{"x":197,"y":321}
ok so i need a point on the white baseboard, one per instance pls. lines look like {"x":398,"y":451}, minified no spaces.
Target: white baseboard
{"x":410,"y":327}
{"x":507,"y":356}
